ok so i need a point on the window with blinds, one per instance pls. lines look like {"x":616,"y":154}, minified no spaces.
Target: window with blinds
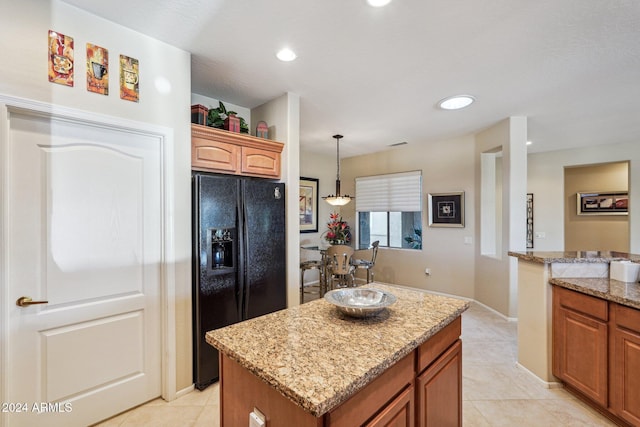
{"x":389,"y":209}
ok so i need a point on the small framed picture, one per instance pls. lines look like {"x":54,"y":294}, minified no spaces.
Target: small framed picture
{"x":603,"y":203}
{"x":308,"y":205}
{"x":129,"y":76}
{"x":446,"y":209}
{"x":61,"y":56}
{"x":529,"y":220}
{"x":97,"y":69}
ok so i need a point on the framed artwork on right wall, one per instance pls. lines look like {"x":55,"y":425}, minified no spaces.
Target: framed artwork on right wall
{"x":446,"y":209}
{"x":529,"y":220}
{"x":602,"y":203}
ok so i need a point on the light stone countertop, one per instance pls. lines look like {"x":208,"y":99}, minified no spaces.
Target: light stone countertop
{"x":317,"y":357}
{"x":573,"y":256}
{"x":609,"y":289}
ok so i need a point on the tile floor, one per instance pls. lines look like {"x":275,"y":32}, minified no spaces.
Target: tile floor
{"x":495,"y":391}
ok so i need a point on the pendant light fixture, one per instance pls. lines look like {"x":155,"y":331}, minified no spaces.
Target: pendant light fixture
{"x":338,"y":199}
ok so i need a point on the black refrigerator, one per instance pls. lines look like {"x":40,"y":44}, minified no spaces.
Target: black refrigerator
{"x":239,"y":259}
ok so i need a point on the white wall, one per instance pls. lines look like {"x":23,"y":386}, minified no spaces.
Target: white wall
{"x":283,"y":118}
{"x":323,"y":168}
{"x":496,"y":275}
{"x":546,"y":182}
{"x":446,"y":166}
{"x":24,"y":27}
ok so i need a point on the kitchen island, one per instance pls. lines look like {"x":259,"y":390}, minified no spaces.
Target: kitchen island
{"x":311,"y":365}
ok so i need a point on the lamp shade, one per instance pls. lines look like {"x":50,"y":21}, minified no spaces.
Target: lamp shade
{"x":337,"y":200}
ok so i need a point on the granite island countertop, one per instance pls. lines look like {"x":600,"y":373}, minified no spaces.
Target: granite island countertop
{"x":317,"y":357}
{"x":608,"y":289}
{"x":543,"y":257}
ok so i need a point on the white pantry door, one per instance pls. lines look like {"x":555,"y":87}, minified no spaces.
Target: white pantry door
{"x":84,"y":234}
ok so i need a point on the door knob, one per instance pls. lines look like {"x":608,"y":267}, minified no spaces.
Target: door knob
{"x":27,"y":301}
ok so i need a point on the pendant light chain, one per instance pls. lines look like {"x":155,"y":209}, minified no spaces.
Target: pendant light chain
{"x":337,"y":137}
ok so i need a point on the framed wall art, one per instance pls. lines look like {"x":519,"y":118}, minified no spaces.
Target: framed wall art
{"x":129,"y":78}
{"x":97,"y":69}
{"x":529,"y":220}
{"x":308,"y":205}
{"x":60,"y":58}
{"x":603,"y":203}
{"x":446,"y":209}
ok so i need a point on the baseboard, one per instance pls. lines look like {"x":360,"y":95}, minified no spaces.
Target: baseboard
{"x":185,"y":391}
{"x":426,"y":291}
{"x":508,"y":319}
{"x":545,"y":384}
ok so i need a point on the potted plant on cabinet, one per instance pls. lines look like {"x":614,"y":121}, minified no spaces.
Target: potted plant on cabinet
{"x":220,"y":118}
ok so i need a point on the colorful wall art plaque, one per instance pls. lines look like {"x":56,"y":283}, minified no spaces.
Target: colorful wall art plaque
{"x":60,"y":58}
{"x":97,"y":69}
{"x":129,"y":76}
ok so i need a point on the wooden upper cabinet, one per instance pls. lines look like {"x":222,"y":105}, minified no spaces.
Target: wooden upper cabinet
{"x":220,"y":156}
{"x":255,"y":161}
{"x":221,"y":151}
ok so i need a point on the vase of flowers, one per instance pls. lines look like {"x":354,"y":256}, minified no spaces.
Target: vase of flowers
{"x":338,"y":231}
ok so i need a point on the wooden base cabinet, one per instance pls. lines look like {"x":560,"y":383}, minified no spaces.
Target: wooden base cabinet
{"x":596,"y":352}
{"x":386,"y":401}
{"x":399,"y":413}
{"x":625,"y":366}
{"x":580,"y":343}
{"x":439,"y":391}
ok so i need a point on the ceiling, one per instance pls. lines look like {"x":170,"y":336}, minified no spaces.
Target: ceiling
{"x":375,"y":75}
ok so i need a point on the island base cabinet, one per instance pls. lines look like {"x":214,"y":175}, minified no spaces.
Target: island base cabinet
{"x":439,"y":391}
{"x":625,"y":401}
{"x":399,"y":413}
{"x":241,"y":392}
{"x":378,"y":400}
{"x":424,"y":388}
{"x":386,"y":401}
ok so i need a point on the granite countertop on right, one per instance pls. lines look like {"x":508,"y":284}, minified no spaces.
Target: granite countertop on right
{"x":545,"y":257}
{"x":624,"y":293}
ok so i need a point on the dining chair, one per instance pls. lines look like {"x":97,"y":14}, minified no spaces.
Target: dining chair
{"x":339,"y":266}
{"x":313,"y":264}
{"x":368,"y":264}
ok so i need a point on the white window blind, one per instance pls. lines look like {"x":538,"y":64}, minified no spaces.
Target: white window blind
{"x":397,"y":192}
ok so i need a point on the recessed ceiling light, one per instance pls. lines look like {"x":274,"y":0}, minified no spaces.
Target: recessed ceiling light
{"x":529,"y":142}
{"x":456,"y":102}
{"x":378,"y":3}
{"x":286,"y":55}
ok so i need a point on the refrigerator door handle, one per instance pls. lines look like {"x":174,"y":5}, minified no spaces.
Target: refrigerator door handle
{"x":245,"y":249}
